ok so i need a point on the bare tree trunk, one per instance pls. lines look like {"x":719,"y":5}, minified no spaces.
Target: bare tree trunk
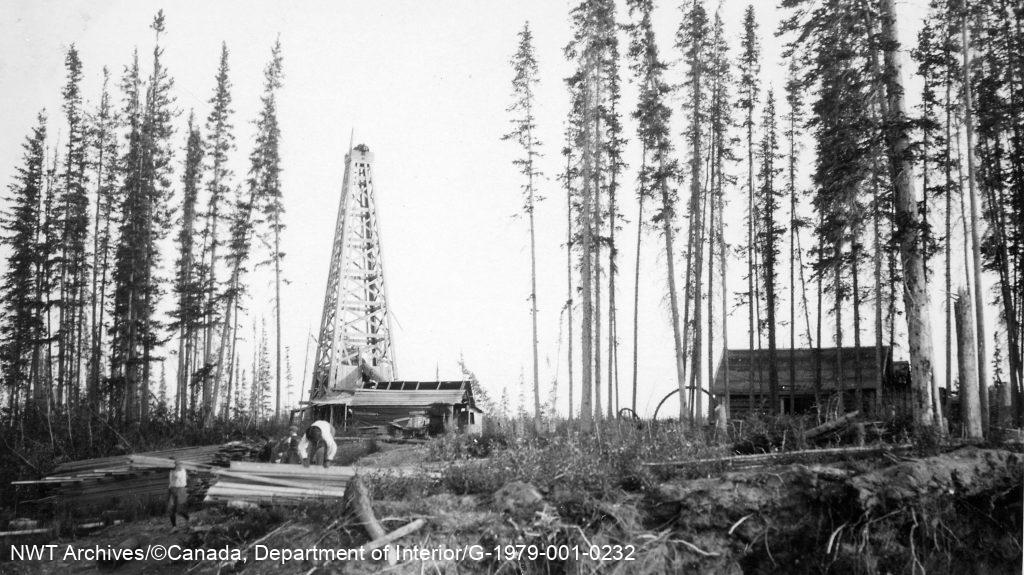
{"x":979,"y":296}
{"x":857,"y":371}
{"x":948,"y":280}
{"x":598,"y":224}
{"x":916,"y":298}
{"x":277,"y":315}
{"x":750,"y":255}
{"x":817,"y":350}
{"x":568,"y":272}
{"x":725,"y":309}
{"x":586,"y":271}
{"x":674,"y":304}
{"x":613,"y":392}
{"x":636,"y":278}
{"x":712,"y":239}
{"x":792,"y":263}
{"x":533,"y":288}
{"x":970,"y":400}
{"x":696,"y":374}
{"x":840,"y":387}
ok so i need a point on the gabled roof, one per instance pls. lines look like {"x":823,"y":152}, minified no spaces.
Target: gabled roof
{"x":748,"y":369}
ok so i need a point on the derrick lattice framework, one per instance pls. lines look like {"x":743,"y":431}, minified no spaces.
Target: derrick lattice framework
{"x":355,"y":328}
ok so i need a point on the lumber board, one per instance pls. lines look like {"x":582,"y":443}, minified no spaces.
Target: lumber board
{"x":270,"y":480}
{"x":236,"y":491}
{"x":166,"y":463}
{"x":25,"y":532}
{"x":289,"y":469}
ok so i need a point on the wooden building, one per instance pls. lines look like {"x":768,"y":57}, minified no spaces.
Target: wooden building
{"x":842,"y":371}
{"x":389,"y":406}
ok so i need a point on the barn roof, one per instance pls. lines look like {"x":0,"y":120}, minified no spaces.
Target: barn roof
{"x":805,"y":361}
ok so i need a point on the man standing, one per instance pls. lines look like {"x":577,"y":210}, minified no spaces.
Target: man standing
{"x":177,"y":495}
{"x":317,"y":445}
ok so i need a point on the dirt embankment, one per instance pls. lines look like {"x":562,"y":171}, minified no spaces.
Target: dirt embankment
{"x":958,"y":512}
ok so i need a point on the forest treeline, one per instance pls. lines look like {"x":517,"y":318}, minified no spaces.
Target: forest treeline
{"x":114,"y":216}
{"x":905,"y":206}
{"x":126,"y":237}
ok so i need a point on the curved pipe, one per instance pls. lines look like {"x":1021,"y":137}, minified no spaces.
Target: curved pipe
{"x":670,"y":394}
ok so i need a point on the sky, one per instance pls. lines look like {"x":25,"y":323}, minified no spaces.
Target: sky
{"x":425,"y":85}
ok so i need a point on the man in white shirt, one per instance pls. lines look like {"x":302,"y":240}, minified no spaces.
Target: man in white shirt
{"x":177,"y":495}
{"x":317,"y":444}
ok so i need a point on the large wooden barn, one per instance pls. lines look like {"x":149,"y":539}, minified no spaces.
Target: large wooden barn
{"x":841,"y":370}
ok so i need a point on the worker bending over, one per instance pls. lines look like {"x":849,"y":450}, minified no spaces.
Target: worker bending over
{"x":317,"y":445}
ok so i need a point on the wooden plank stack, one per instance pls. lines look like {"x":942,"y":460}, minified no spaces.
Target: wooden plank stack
{"x":280,"y":484}
{"x":117,"y":480}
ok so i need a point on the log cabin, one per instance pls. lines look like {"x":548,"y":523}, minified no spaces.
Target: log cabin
{"x":884,"y":383}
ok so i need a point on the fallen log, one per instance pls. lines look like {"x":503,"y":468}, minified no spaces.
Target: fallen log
{"x":357,"y":501}
{"x":407,"y":529}
{"x":782,"y":456}
{"x":830,"y":426}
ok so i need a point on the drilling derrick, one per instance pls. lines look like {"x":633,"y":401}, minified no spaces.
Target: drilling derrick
{"x":355,"y":328}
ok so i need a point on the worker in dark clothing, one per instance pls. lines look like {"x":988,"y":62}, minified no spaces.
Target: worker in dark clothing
{"x":288,"y":448}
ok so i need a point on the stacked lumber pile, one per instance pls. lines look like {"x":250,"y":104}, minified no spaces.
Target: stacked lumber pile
{"x":107,"y":481}
{"x":233,"y":451}
{"x":281,"y":484}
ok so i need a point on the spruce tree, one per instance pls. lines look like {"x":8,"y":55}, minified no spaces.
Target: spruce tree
{"x":263,"y":185}
{"x":144,"y":222}
{"x":659,"y":173}
{"x":73,"y":208}
{"x":524,"y":82}
{"x":749,"y":66}
{"x":769,"y":236}
{"x":105,"y":177}
{"x":220,"y":143}
{"x":793,"y":123}
{"x":694,"y":40}
{"x":721,"y":123}
{"x":188,"y":286}
{"x":587,"y":49}
{"x":21,"y":323}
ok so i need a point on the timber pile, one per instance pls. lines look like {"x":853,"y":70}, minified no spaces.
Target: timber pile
{"x":120,"y":479}
{"x":284,"y":484}
{"x":278,"y":483}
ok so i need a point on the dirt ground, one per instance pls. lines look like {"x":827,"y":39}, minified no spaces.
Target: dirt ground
{"x":957,"y":512}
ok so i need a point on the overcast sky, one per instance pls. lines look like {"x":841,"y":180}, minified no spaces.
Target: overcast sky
{"x":424,"y":85}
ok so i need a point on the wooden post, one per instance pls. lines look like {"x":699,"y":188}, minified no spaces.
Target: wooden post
{"x":966,"y":356}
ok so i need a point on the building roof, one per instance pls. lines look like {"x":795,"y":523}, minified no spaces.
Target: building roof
{"x":744,"y":379}
{"x":403,"y":394}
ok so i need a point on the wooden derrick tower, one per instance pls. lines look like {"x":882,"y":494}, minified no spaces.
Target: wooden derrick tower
{"x":355,"y":328}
